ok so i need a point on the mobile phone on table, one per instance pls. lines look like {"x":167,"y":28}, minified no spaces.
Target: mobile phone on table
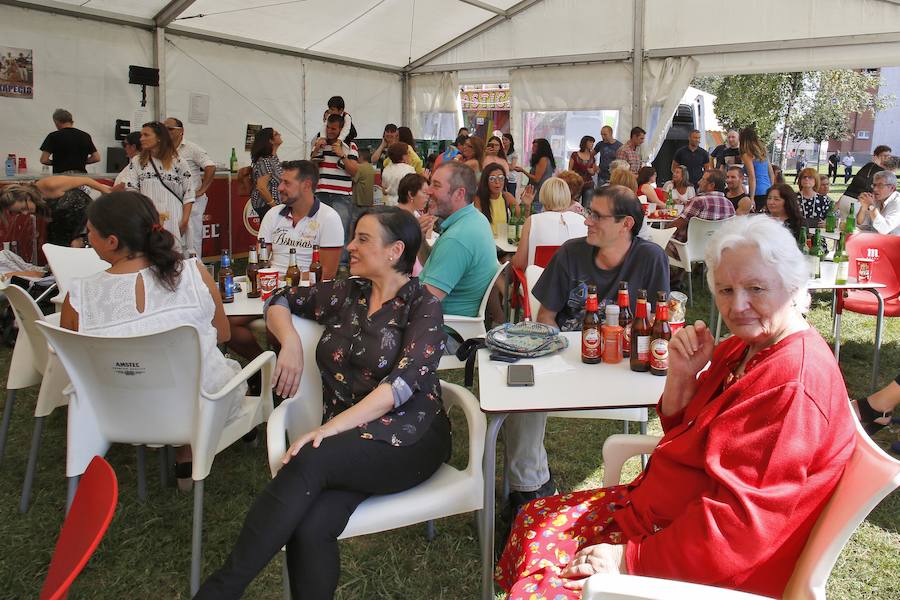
{"x":519,"y":375}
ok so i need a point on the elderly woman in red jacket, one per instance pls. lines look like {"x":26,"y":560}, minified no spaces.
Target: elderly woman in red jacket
{"x":753,"y":447}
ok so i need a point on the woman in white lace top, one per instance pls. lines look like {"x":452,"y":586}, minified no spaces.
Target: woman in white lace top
{"x":148,"y":289}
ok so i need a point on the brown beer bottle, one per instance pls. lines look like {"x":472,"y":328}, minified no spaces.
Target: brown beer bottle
{"x":263,"y":254}
{"x":252,"y":273}
{"x":590,"y":329}
{"x":659,"y":338}
{"x":625,"y":317}
{"x":315,"y":267}
{"x":292,"y":275}
{"x":640,"y":335}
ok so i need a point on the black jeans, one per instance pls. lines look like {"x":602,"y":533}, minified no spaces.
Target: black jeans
{"x":307,"y":505}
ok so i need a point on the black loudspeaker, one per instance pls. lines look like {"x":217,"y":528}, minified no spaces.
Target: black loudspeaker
{"x":115,"y":159}
{"x":123,"y":128}
{"x":143,"y":75}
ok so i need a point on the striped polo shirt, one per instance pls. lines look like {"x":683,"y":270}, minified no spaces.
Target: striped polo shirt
{"x":332,"y":178}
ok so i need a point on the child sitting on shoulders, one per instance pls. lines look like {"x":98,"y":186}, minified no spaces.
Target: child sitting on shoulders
{"x":336,"y":107}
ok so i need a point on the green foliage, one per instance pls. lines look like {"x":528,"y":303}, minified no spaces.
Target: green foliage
{"x":813,"y":104}
{"x":831,"y":96}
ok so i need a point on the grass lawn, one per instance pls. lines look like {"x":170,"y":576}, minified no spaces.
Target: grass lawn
{"x":146,"y":553}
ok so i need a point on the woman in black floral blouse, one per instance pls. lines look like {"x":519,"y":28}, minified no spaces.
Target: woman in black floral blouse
{"x":384,"y":428}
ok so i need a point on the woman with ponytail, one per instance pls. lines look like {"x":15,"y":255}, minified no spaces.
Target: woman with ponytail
{"x":149,"y":288}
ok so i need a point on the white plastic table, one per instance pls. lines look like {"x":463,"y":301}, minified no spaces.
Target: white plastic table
{"x":852,"y":284}
{"x":583,"y":387}
{"x":242,"y":305}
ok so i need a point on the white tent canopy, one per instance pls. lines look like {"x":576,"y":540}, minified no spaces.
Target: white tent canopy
{"x":275,"y":62}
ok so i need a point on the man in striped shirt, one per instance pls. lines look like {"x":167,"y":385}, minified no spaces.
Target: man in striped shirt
{"x":338,"y":163}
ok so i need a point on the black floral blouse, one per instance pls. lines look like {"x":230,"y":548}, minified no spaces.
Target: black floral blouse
{"x":815,"y":207}
{"x":401,"y":344}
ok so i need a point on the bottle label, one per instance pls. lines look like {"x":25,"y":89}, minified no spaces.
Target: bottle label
{"x":590,"y":343}
{"x":659,"y":354}
{"x":312,"y":278}
{"x":229,"y":286}
{"x":626,"y":340}
{"x":642,"y":344}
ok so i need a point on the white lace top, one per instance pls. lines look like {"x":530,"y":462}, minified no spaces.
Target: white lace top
{"x":106,"y":305}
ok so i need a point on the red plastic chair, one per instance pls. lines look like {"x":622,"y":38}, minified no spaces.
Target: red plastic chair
{"x":542,"y":256}
{"x":886,"y":270}
{"x":84,"y":527}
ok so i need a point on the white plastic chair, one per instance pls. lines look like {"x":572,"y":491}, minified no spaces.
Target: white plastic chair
{"x":146,"y":390}
{"x":661,"y":237}
{"x":448,"y":492}
{"x":32,"y":362}
{"x":68,"y":263}
{"x":694,"y":249}
{"x":869,"y":476}
{"x":469,"y":327}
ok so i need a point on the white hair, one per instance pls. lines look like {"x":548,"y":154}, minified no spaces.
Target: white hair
{"x":619,"y":164}
{"x":776,"y":246}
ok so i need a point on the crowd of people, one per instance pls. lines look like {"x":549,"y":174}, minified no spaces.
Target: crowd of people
{"x":431,"y":251}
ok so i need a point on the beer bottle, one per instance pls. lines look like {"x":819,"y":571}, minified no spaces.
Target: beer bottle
{"x":315,"y":267}
{"x":511,"y":225}
{"x":232,"y":164}
{"x":292,"y":275}
{"x":625,"y":318}
{"x":830,"y":218}
{"x":850,"y":223}
{"x":841,"y":261}
{"x":263,"y":254}
{"x":660,"y":336}
{"x":817,"y":255}
{"x":590,"y":329}
{"x":640,"y":335}
{"x":253,"y":273}
{"x":612,"y":334}
{"x":226,"y":278}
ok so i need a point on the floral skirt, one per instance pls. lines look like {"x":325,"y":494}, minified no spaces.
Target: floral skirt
{"x":546,"y":535}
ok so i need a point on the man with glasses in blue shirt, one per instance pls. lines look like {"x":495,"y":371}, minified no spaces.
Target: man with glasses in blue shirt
{"x":610,"y":253}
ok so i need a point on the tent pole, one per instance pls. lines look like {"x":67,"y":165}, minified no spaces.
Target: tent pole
{"x":159,"y":62}
{"x":637,"y":63}
{"x":404,"y":99}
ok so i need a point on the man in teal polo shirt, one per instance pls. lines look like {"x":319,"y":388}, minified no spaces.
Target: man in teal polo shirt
{"x":463,"y":261}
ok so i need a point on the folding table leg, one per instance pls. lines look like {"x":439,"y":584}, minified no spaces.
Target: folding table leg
{"x":70,"y":493}
{"x":32,"y":464}
{"x":286,"y":578}
{"x":7,"y":415}
{"x":625,"y":427}
{"x":430,"y":530}
{"x":141,"y":474}
{"x":196,"y":536}
{"x":487,"y":512}
{"x":837,"y":337}
{"x":163,"y":466}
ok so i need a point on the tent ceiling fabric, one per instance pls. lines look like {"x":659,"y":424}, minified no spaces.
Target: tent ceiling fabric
{"x":397,"y":33}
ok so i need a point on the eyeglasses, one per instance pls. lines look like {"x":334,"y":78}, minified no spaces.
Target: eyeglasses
{"x":496,"y":178}
{"x":595,"y":216}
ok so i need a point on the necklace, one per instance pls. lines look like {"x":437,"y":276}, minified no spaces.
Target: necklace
{"x":733,"y":376}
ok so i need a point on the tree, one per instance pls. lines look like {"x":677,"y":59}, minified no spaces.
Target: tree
{"x":762,"y":100}
{"x":832,"y":96}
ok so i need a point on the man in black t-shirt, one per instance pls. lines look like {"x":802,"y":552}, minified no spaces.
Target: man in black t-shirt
{"x":692,"y":156}
{"x":610,"y":253}
{"x":734,"y":191}
{"x":68,"y":149}
{"x":833,"y":160}
{"x":862,"y":181}
{"x":729,"y":153}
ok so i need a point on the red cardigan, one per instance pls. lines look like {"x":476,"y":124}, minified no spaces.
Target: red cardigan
{"x":740,"y":477}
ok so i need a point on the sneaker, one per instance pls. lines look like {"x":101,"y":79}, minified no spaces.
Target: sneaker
{"x":519,"y":499}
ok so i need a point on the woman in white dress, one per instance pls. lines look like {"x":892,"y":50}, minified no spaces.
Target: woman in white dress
{"x":398,"y":168}
{"x":148,"y":289}
{"x":158,"y":173}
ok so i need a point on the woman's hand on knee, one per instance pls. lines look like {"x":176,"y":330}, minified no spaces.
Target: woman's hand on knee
{"x":288,"y":369}
{"x":600,"y":558}
{"x":315,"y":436}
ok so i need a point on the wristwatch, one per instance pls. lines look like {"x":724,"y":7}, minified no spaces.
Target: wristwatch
{"x":871,"y":208}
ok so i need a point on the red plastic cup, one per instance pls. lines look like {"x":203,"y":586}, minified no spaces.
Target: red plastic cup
{"x":676,"y":326}
{"x":864,"y":268}
{"x":268,"y":282}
